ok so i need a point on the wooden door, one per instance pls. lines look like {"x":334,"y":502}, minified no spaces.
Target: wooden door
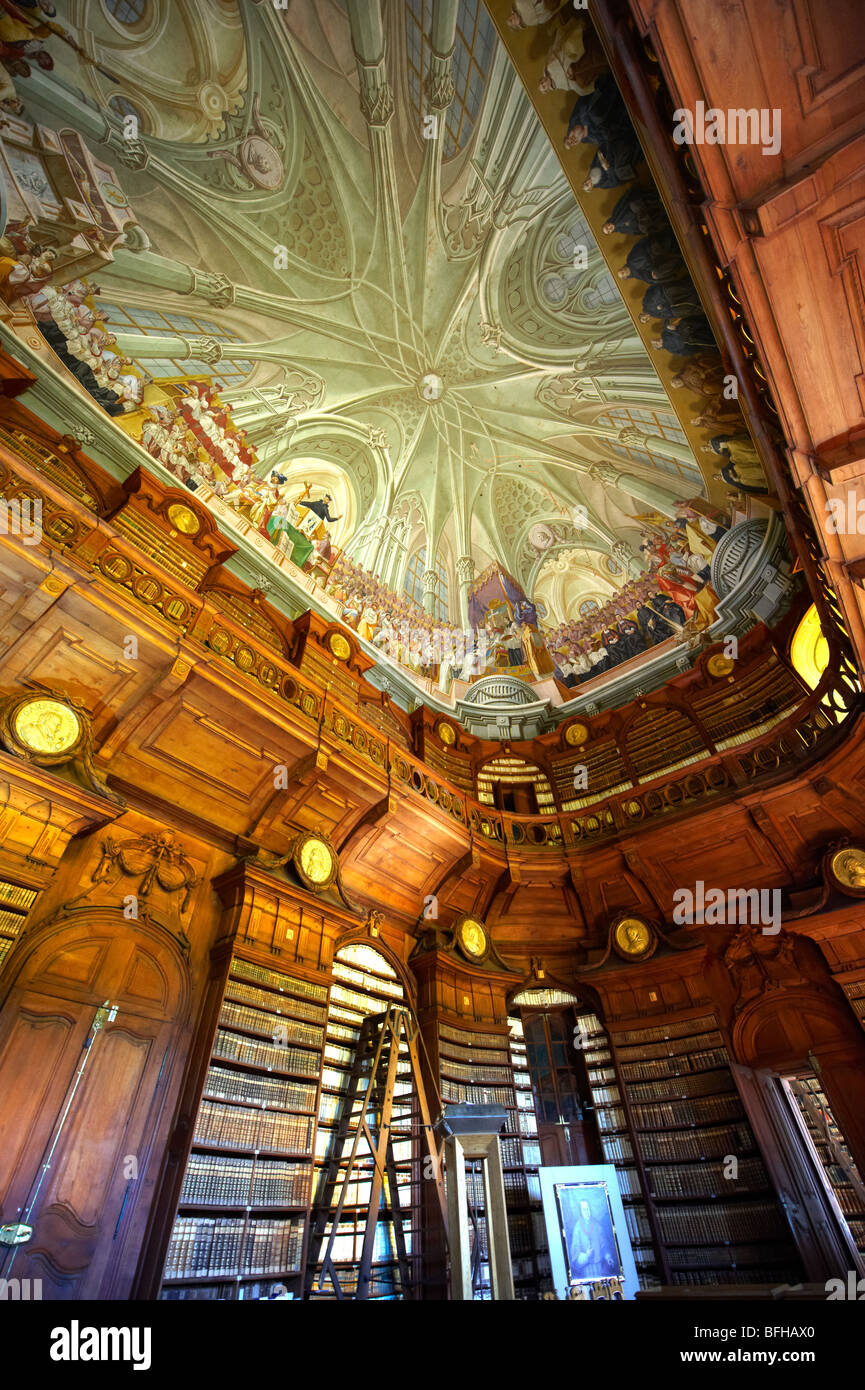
{"x":79,"y":1111}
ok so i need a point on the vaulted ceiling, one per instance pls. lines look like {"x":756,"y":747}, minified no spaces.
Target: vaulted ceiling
{"x":403,"y":239}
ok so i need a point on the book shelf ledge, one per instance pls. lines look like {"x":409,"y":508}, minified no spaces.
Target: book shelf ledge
{"x":256,"y":1104}
{"x":236,"y":1062}
{"x":693,"y":1124}
{"x":241,"y":1207}
{"x":232,"y":1150}
{"x":749,"y":1195}
{"x":216,"y":1278}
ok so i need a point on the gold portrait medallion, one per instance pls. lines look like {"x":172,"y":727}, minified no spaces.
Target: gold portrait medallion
{"x":632,"y":937}
{"x":316,"y":861}
{"x":720,"y":665}
{"x":47,"y":726}
{"x":184,"y":519}
{"x":575,"y":734}
{"x":446,"y":734}
{"x":339,"y":646}
{"x":848,"y":867}
{"x":472,"y":937}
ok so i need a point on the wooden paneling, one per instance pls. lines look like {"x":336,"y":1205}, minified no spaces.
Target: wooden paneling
{"x":789,"y":226}
{"x":97,"y":1108}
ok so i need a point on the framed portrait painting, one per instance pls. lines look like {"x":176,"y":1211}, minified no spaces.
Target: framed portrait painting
{"x":586,"y":1229}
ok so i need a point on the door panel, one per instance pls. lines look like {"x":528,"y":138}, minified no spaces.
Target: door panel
{"x":97,"y":1128}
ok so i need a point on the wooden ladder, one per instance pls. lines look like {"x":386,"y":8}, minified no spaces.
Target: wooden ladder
{"x":366,"y":1114}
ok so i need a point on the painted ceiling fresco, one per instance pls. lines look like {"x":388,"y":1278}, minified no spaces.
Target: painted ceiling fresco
{"x":321,"y":265}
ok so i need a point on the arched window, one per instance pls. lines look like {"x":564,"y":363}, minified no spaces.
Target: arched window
{"x":129,"y":319}
{"x":809,"y":650}
{"x":413,"y":585}
{"x":129,"y":12}
{"x":414,"y":576}
{"x":475,"y":41}
{"x":651,"y":422}
{"x":602,"y":292}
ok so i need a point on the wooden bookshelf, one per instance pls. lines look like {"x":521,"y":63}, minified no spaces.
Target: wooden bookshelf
{"x":242,"y":1218}
{"x":537,"y":1278}
{"x":617,"y":1145}
{"x":841,"y":1175}
{"x":674,"y":1110}
{"x":488,"y":1067}
{"x":15,"y":903}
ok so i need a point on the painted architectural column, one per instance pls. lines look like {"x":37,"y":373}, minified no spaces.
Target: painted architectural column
{"x":377,"y":105}
{"x":369,"y":555}
{"x":161,"y":272}
{"x":430,"y":586}
{"x":139,"y":266}
{"x":654,"y":496}
{"x":205,"y":349}
{"x":438,"y":84}
{"x":465,"y":575}
{"x":634,"y":438}
{"x":634,"y":565}
{"x":393,"y":566}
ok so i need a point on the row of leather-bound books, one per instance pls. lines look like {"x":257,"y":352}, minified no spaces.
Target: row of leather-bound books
{"x":688,"y":1112}
{"x":271,"y":1024}
{"x":710,"y":1221}
{"x":495,"y":1041}
{"x":676,"y":1049}
{"x":483,"y":1095}
{"x":682,"y":1064}
{"x":15,"y":894}
{"x":248,"y":970}
{"x":725,"y":1275}
{"x":273,"y":1002}
{"x":638,"y":1223}
{"x":449,"y":1051}
{"x":225,"y":1246}
{"x":617,"y":1149}
{"x":725,"y":1256}
{"x":676,"y":1088}
{"x":241,"y":1127}
{"x":225,"y":1084}
{"x":666,"y":1032}
{"x":713,"y":1179}
{"x":213,"y":1180}
{"x":473,"y":1071}
{"x":712,"y":1142}
{"x":278,"y":1056}
{"x":11,"y":922}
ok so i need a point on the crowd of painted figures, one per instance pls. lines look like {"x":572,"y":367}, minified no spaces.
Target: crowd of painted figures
{"x":436,"y":650}
{"x":673,"y":595}
{"x":599,"y":119}
{"x":396,"y":624}
{"x":189,"y":430}
{"x":24,"y":27}
{"x":67,"y":321}
{"x":196,"y":441}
